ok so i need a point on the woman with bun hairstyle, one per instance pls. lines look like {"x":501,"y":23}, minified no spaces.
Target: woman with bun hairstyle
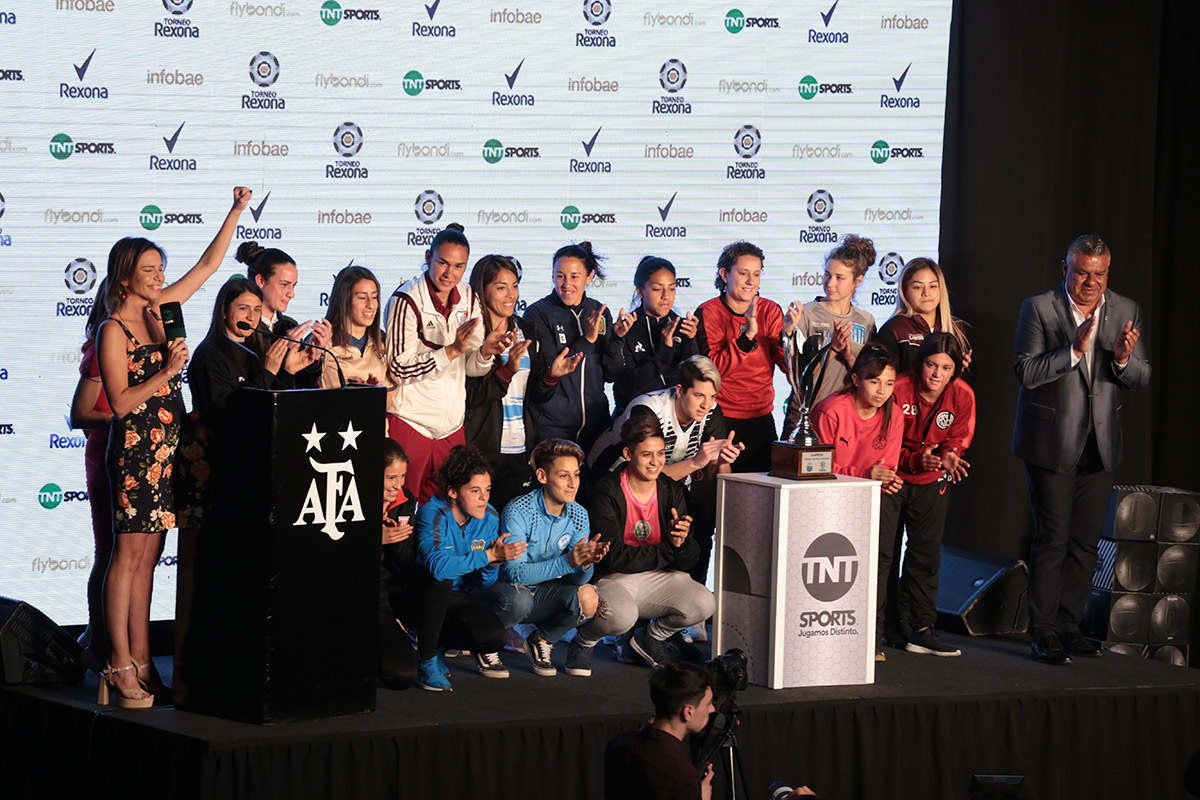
{"x":501,"y":418}
{"x":434,"y":341}
{"x":274,"y":271}
{"x":833,"y":316}
{"x":922,"y":307}
{"x":939,"y":423}
{"x":354,"y":321}
{"x":739,"y":331}
{"x":567,"y":320}
{"x":657,"y":338}
{"x":140,"y":372}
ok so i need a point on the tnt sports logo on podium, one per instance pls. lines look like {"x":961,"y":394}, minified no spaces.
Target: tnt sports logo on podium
{"x":332,"y":495}
{"x":829,"y":567}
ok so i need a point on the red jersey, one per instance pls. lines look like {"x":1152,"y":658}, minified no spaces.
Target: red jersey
{"x":947,"y":424}
{"x":747,"y":367}
{"x":859,"y":444}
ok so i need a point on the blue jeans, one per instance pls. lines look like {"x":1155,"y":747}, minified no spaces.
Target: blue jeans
{"x":553,"y":606}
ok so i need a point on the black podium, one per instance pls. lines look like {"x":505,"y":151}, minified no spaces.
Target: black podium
{"x":282,"y":622}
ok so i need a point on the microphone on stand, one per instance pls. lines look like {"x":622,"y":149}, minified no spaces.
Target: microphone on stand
{"x":245,"y":326}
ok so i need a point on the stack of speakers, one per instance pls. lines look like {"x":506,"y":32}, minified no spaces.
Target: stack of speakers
{"x":1145,"y":585}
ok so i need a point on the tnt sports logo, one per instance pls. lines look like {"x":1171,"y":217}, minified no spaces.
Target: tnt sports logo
{"x":829,"y":567}
{"x":80,"y":276}
{"x":570,"y":217}
{"x":61,"y":146}
{"x":597,"y":12}
{"x":890,"y":267}
{"x":746,"y":141}
{"x":151,"y":217}
{"x":944,"y":419}
{"x":264,"y":69}
{"x":808,"y":87}
{"x":52,"y":496}
{"x":413,"y":82}
{"x":177,"y":7}
{"x":672,"y":76}
{"x":820,"y":206}
{"x":347,"y":139}
{"x":428,"y":207}
{"x":493,"y":151}
{"x":332,"y":13}
{"x":735,"y":20}
{"x":880,"y":151}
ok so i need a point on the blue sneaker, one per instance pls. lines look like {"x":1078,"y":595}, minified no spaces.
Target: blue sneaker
{"x":430,"y":677}
{"x":441,"y":663}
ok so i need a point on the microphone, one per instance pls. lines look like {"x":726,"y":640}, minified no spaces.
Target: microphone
{"x":172,"y":320}
{"x":245,"y":326}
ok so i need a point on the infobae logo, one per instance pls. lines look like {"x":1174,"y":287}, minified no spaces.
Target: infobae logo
{"x":589,"y":164}
{"x":889,"y":101}
{"x":824,"y":35}
{"x":596,"y":14}
{"x":881,"y":152}
{"x":672,"y":77}
{"x":494,"y":151}
{"x":259,"y":231}
{"x":264,"y":72}
{"x":746,"y":143}
{"x":332,"y":13}
{"x":63,"y":147}
{"x":664,"y":231}
{"x":103,"y":6}
{"x":736,"y":21}
{"x":809,"y":87}
{"x":427,"y":29}
{"x":514,"y":16}
{"x":414,"y":83}
{"x":571,"y":218}
{"x":177,"y":25}
{"x":84,"y":91}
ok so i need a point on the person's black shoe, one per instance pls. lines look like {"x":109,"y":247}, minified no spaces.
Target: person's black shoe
{"x":1048,"y":650}
{"x":1076,"y":644}
{"x":684,"y":649}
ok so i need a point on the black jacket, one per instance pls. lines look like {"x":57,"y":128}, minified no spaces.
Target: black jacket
{"x":310,"y":376}
{"x":485,"y":411}
{"x":608,"y":511}
{"x":649,"y":365}
{"x":218,"y":368}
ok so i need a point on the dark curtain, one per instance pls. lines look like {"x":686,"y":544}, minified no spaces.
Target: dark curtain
{"x":1061,"y":119}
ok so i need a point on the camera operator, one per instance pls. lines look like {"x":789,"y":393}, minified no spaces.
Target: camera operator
{"x":653,"y":763}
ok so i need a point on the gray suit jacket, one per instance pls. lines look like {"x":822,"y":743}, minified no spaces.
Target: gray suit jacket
{"x":1057,"y":402}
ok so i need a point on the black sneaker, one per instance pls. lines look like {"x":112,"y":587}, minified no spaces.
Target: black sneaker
{"x":928,"y":642}
{"x":490,"y":665}
{"x":538,"y":650}
{"x":579,"y":659}
{"x":649,"y":648}
{"x":684,"y":649}
{"x":622,"y":652}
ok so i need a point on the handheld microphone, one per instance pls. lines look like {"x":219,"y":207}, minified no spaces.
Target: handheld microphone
{"x":172,"y":320}
{"x":245,"y":326}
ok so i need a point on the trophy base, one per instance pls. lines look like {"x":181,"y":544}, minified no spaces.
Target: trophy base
{"x":800,"y":463}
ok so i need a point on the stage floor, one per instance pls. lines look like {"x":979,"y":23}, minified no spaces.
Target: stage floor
{"x":1115,"y":726}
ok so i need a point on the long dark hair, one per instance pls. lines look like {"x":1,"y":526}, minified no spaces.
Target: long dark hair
{"x":482,"y":275}
{"x":938,"y":342}
{"x":582,"y":251}
{"x":341,"y":298}
{"x":872,"y":360}
{"x":97,"y":315}
{"x":217,"y":337}
{"x":122,"y":262}
{"x":641,"y":276}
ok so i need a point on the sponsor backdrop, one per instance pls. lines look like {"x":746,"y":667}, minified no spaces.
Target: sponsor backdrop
{"x":364,"y":126}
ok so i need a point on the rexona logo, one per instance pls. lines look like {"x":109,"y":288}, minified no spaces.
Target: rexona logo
{"x":571,"y":218}
{"x":414,"y":83}
{"x":672,"y":77}
{"x":810,"y":87}
{"x":494,"y":151}
{"x":881,"y":152}
{"x":152,"y":218}
{"x":589,"y":164}
{"x":264,"y":72}
{"x":512,"y":98}
{"x":259,"y":232}
{"x":332,"y":496}
{"x":332,"y":13}
{"x":746,"y":143}
{"x":70,"y":92}
{"x":820,"y":209}
{"x":423,"y":30}
{"x":665,"y":231}
{"x":824,"y":35}
{"x":887,"y":101}
{"x":596,"y":13}
{"x":829,"y":567}
{"x":177,"y":26}
{"x":890,"y":267}
{"x":173,"y":164}
{"x":347,"y":141}
{"x":63,"y":147}
{"x":736,"y":21}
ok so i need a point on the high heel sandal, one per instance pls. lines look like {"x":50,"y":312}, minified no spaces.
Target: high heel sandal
{"x":137,"y":699}
{"x":151,"y":681}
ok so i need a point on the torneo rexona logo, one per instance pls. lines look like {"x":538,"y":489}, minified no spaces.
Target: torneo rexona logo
{"x":413,"y":82}
{"x":61,"y":146}
{"x":808,"y":87}
{"x":889,"y":268}
{"x":570,"y":217}
{"x":880,"y":151}
{"x":820,"y":205}
{"x":672,"y":76}
{"x":347,"y":139}
{"x":428,"y":207}
{"x":177,"y":7}
{"x":331,"y":12}
{"x":50,"y":495}
{"x":493,"y":151}
{"x":151,"y":217}
{"x":80,"y":276}
{"x":735,"y":20}
{"x":829,"y":567}
{"x":264,"y":69}
{"x":746,"y":141}
{"x":596,"y":12}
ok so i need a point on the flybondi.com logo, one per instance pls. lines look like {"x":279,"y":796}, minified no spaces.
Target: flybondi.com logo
{"x":414,"y":83}
{"x":63,"y":147}
{"x":493,"y":151}
{"x":152,"y":218}
{"x":571,"y":218}
{"x":881,"y":152}
{"x":810,"y":87}
{"x":332,"y":13}
{"x":736,"y":21}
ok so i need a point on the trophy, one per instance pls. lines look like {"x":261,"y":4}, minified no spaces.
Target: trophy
{"x":800,"y":455}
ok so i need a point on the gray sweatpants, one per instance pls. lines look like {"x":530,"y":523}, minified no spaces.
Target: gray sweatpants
{"x":668,"y":597}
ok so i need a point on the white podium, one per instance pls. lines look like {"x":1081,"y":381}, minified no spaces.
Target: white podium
{"x":795,"y":578}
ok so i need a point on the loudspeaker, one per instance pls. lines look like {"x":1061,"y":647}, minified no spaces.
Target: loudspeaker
{"x":1170,"y":654}
{"x":1179,"y":516}
{"x":1123,"y":566}
{"x":1132,"y":514}
{"x":1138,"y":618}
{"x":35,"y":650}
{"x":981,"y":594}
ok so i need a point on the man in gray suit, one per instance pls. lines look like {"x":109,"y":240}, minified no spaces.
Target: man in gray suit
{"x":1076,"y":349}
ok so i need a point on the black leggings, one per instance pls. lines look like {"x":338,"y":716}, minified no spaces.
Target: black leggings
{"x":448,"y":618}
{"x":397,"y":660}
